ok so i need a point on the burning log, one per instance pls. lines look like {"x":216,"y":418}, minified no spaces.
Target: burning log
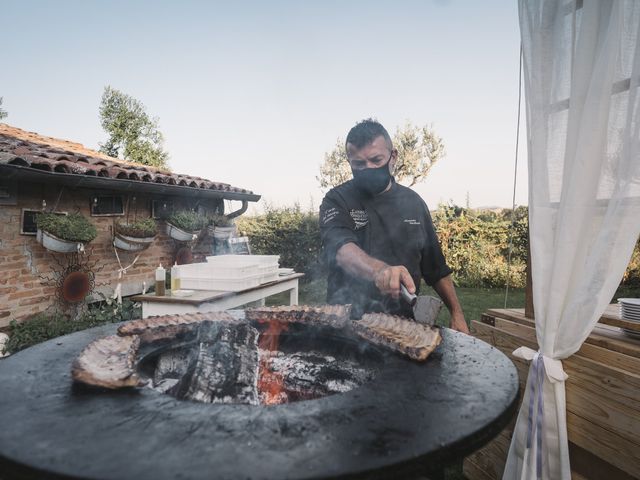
{"x":223,"y":367}
{"x":170,"y":368}
{"x":108,"y":362}
{"x":413,"y":339}
{"x":336,"y":316}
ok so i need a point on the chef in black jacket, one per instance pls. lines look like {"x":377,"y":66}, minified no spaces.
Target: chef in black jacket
{"x":377,"y":234}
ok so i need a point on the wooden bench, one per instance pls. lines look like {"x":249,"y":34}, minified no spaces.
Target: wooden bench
{"x":602,"y":391}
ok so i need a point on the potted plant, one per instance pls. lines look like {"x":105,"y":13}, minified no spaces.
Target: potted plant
{"x":135,"y":236}
{"x":221,"y":228}
{"x":64,"y":233}
{"x":185,"y":226}
{"x":222,"y":225}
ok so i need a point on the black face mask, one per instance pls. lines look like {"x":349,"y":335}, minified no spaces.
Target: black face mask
{"x":372,"y":180}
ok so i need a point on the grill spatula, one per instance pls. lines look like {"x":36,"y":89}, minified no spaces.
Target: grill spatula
{"x":425,"y":307}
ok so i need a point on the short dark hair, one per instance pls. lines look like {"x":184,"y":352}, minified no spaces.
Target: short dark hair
{"x":366,"y":132}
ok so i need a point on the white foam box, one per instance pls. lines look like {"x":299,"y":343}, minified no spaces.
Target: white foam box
{"x":238,"y":260}
{"x":209,"y":270}
{"x":221,"y":284}
{"x":230,"y":273}
{"x":265,"y":264}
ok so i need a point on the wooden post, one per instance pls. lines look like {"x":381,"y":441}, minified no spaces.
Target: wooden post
{"x":528,"y":295}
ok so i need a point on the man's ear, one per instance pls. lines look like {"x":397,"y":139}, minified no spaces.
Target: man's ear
{"x":392,"y":161}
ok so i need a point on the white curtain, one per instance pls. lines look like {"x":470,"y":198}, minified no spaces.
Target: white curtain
{"x":581,"y":70}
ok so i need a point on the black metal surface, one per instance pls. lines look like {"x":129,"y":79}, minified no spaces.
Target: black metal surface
{"x":411,"y":415}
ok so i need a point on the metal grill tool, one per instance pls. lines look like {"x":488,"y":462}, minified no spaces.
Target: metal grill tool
{"x":425,"y":307}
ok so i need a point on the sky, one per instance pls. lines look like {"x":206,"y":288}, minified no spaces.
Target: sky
{"x":254,"y":93}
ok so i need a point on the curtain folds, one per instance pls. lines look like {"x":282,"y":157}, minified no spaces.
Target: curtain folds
{"x":582,"y":74}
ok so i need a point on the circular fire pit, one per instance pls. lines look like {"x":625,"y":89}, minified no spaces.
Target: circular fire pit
{"x":407,"y":416}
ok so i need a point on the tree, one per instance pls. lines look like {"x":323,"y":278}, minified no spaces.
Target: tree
{"x":3,"y":113}
{"x":418,"y":150}
{"x":335,"y":169}
{"x":133,"y":135}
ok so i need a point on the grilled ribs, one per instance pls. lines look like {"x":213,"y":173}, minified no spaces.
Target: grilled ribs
{"x":108,"y":362}
{"x":336,"y":316}
{"x":415,"y":340}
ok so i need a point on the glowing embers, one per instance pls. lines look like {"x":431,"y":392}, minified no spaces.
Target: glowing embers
{"x":270,"y":363}
{"x":270,"y":383}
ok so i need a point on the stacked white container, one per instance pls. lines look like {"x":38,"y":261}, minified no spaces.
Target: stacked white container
{"x":230,"y":273}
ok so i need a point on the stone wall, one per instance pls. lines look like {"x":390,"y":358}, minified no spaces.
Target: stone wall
{"x":23,"y":260}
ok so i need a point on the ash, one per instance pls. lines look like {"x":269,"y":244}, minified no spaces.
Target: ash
{"x":313,"y":374}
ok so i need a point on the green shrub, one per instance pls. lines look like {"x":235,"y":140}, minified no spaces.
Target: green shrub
{"x":632,"y":275}
{"x":73,"y":227}
{"x":187,"y":220}
{"x":141,"y":229}
{"x":476,"y":246}
{"x":221,"y":221}
{"x":47,"y":325}
{"x":475,"y":243}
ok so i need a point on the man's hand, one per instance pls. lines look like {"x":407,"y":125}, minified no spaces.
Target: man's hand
{"x":459,"y":323}
{"x":388,"y":279}
{"x":444,"y":287}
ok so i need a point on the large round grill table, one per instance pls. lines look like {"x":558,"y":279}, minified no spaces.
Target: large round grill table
{"x":410,"y":418}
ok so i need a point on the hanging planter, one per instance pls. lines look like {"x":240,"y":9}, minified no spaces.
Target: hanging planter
{"x":134,"y":237}
{"x":64,"y":233}
{"x":185,"y":226}
{"x":59,"y":245}
{"x":221,"y":229}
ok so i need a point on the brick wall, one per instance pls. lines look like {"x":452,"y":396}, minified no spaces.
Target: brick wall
{"x":23,"y":259}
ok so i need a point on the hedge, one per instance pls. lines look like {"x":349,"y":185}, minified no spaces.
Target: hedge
{"x":474,"y":242}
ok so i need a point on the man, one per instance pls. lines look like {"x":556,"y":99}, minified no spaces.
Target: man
{"x":377,"y":234}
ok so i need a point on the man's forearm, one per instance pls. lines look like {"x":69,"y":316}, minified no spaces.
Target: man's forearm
{"x":447,"y":292}
{"x":387,"y":278}
{"x":353,"y":260}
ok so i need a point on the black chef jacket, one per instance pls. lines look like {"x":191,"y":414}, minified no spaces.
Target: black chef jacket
{"x":395,"y":227}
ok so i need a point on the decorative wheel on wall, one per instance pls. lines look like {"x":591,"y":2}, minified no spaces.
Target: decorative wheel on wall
{"x":76,"y":286}
{"x":74,"y":278}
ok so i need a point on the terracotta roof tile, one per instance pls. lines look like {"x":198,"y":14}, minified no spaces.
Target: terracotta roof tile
{"x":27,"y":149}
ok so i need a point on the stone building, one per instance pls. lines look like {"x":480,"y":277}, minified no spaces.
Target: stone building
{"x":39,"y":173}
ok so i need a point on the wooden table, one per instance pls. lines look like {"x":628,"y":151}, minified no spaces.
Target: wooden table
{"x":213,"y":300}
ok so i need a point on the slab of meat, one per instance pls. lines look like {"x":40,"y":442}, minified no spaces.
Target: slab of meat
{"x":169,"y":326}
{"x":415,"y":340}
{"x":108,"y":362}
{"x":336,"y":316}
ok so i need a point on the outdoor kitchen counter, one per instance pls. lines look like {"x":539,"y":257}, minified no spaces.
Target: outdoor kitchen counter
{"x":212,"y":300}
{"x":411,"y":415}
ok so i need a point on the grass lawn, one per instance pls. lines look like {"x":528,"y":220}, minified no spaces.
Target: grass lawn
{"x":474,"y":301}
